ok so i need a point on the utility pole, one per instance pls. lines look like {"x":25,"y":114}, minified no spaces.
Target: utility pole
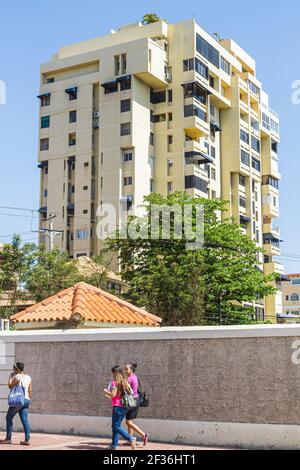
{"x":50,"y":232}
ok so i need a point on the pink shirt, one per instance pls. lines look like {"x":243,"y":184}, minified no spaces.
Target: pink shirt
{"x":117,"y":400}
{"x":134,"y":384}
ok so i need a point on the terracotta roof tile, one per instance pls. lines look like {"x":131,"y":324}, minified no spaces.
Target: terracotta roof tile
{"x":91,"y":303}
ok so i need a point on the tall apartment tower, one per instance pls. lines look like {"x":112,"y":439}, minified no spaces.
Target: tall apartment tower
{"x":157,"y":108}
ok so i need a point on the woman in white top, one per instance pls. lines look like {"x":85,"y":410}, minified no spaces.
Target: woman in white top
{"x":18,"y":377}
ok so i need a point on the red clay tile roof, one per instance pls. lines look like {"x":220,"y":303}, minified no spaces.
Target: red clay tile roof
{"x":91,"y":303}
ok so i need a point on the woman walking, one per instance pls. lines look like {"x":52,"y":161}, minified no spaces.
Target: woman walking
{"x":19,"y":378}
{"x":132,"y":414}
{"x":118,"y":388}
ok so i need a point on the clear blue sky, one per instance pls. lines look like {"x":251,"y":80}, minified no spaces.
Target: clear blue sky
{"x":32,"y":31}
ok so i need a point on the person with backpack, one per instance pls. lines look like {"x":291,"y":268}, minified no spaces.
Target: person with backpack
{"x":19,"y":399}
{"x":120,"y":394}
{"x":132,"y":413}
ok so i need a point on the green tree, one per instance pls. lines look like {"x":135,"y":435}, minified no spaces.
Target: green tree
{"x":150,"y":18}
{"x":187,"y":287}
{"x":52,"y":272}
{"x":15,"y":262}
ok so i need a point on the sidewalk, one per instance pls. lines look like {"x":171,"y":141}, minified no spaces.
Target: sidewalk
{"x":64,"y":442}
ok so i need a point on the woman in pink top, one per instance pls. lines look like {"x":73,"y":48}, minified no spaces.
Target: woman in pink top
{"x":117,"y":388}
{"x":133,"y":412}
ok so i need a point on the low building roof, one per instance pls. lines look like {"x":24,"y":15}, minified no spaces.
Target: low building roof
{"x":89,"y":303}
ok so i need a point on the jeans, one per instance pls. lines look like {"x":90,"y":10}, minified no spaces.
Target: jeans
{"x":23,"y":413}
{"x":118,"y":414}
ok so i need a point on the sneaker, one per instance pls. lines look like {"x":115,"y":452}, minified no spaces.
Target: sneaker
{"x":5,"y":441}
{"x":24,"y":443}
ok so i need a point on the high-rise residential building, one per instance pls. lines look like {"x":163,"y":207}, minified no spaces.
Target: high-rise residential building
{"x":157,"y":108}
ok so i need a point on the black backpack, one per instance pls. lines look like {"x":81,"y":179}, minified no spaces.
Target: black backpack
{"x":144,"y":399}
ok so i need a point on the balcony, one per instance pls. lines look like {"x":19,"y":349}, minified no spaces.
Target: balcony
{"x":271,"y":244}
{"x":149,"y":63}
{"x":274,"y":267}
{"x":196,"y":153}
{"x":195,"y":123}
{"x":270,"y":228}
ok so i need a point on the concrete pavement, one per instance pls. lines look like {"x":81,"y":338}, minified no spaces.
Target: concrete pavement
{"x":65,"y":442}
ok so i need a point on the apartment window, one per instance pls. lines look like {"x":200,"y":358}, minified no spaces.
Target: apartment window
{"x":193,"y":181}
{"x":213,"y":151}
{"x":101,"y":182}
{"x":44,"y":144}
{"x":72,"y":116}
{"x":72,"y":139}
{"x":253,"y":88}
{"x":158,"y":117}
{"x":170,"y":117}
{"x":72,"y":92}
{"x":287,"y":297}
{"x":125,"y":128}
{"x":255,"y":164}
{"x":169,"y":167}
{"x":242,"y":180}
{"x":201,"y":68}
{"x":151,"y":185}
{"x":125,"y":105}
{"x":158,"y":97}
{"x":45,"y":99}
{"x":255,"y":144}
{"x":213,"y":110}
{"x":225,"y":65}
{"x":127,"y":156}
{"x":193,"y":90}
{"x":193,"y":110}
{"x":151,"y":139}
{"x":295,"y":281}
{"x":50,"y":80}
{"x":242,"y":202}
{"x":211,"y":81}
{"x":81,"y":234}
{"x":245,"y":158}
{"x":86,"y":164}
{"x":271,"y":181}
{"x":85,"y":211}
{"x":127,"y":180}
{"x":244,"y":136}
{"x":117,"y":65}
{"x":125,"y":83}
{"x":101,"y":158}
{"x":123,"y":64}
{"x":208,"y":51}
{"x":111,"y":87}
{"x":294,"y":297}
{"x":169,"y":187}
{"x":170,"y":142}
{"x":213,"y":173}
{"x":274,"y":146}
{"x":72,"y":189}
{"x":188,"y":64}
{"x":45,"y":122}
{"x":45,"y":192}
{"x":170,"y":96}
{"x":85,"y":188}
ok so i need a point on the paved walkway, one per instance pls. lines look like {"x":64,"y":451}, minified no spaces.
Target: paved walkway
{"x":64,"y":442}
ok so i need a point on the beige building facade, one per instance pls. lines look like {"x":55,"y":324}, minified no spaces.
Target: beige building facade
{"x":290,"y":289}
{"x":157,"y":108}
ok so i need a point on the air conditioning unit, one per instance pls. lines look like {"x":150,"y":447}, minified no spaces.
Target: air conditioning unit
{"x":168,"y":77}
{"x":96,"y":114}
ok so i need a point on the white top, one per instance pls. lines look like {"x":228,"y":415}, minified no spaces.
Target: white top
{"x":25,"y":381}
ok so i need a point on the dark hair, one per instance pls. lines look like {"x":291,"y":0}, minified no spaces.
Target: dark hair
{"x":132,"y":366}
{"x":20,"y":366}
{"x":117,"y":369}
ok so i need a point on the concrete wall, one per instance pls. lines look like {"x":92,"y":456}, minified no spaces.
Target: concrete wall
{"x":235,"y":386}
